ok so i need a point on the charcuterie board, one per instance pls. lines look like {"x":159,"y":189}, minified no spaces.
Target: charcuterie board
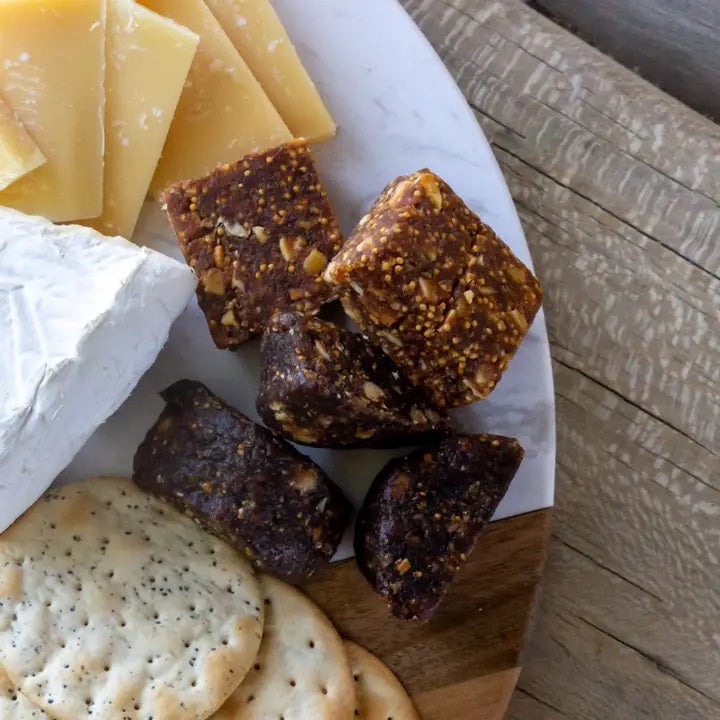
{"x":397,"y":110}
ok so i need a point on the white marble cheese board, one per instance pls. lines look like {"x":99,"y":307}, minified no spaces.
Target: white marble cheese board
{"x":397,"y":110}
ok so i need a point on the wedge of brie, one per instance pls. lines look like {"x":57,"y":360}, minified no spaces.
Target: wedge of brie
{"x":82,"y":317}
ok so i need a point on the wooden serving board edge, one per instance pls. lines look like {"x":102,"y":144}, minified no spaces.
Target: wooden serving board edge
{"x":466,"y":661}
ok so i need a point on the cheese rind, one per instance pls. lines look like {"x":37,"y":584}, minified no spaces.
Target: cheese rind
{"x":223,"y":113}
{"x":19,"y":154}
{"x":148,"y":59}
{"x":52,"y":68}
{"x":257,"y":33}
{"x":82,"y":317}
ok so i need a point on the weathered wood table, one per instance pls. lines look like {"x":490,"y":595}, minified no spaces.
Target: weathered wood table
{"x":618,"y":187}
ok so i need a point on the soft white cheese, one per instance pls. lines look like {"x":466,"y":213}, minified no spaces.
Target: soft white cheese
{"x":82,"y":317}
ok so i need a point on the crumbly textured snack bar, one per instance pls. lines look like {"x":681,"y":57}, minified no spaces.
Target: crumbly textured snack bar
{"x":436,"y":289}
{"x":259,"y":234}
{"x":329,"y":387}
{"x":242,"y":483}
{"x":424,"y":513}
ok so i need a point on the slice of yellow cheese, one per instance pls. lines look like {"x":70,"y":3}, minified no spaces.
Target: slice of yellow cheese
{"x":52,"y":68}
{"x":223,"y":113}
{"x":19,"y":154}
{"x":148,"y":59}
{"x":256,"y":31}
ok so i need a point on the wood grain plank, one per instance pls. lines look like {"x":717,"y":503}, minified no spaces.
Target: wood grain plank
{"x":673,"y":43}
{"x":479,"y":629}
{"x":618,"y":189}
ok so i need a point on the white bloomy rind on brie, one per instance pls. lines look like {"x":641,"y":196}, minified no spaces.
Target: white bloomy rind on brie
{"x":82,"y":317}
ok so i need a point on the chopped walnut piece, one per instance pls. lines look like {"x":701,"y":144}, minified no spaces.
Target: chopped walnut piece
{"x":287,"y":249}
{"x":229,"y":319}
{"x":372,"y":391}
{"x":315,"y":262}
{"x":213,"y":281}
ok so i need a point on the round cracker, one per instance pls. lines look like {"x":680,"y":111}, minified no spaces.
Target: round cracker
{"x":113,"y":605}
{"x":302,"y":671}
{"x":14,"y":705}
{"x":379,"y":694}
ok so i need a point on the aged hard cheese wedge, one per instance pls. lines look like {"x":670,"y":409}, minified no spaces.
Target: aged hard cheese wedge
{"x":148,"y":59}
{"x":52,"y":69}
{"x":223,"y":113}
{"x":256,"y":31}
{"x":82,"y":317}
{"x":19,"y":154}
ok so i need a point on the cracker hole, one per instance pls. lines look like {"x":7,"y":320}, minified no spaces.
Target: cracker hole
{"x":250,"y":698}
{"x":292,"y":683}
{"x":311,"y":644}
{"x":323,"y":690}
{"x":193,"y":683}
{"x":256,"y":666}
{"x":356,"y":677}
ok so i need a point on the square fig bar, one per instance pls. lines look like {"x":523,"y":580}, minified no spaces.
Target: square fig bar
{"x":258,"y":234}
{"x":436,"y":289}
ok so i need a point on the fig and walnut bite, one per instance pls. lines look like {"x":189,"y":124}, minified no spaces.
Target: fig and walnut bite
{"x":436,"y":289}
{"x":240,"y":482}
{"x":328,"y":387}
{"x":423,"y":514}
{"x":259,"y":234}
